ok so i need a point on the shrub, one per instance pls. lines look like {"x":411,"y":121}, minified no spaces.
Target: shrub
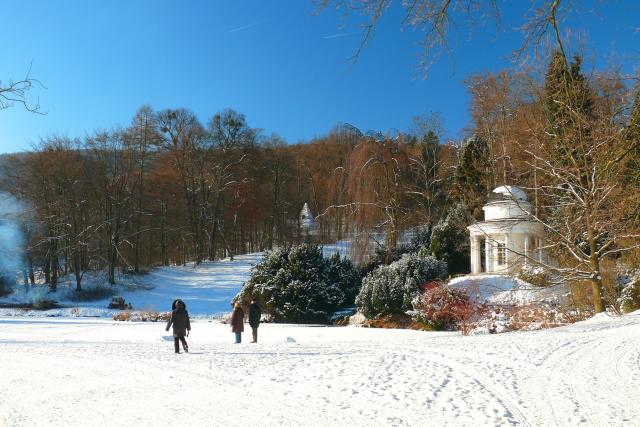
{"x":537,"y":276}
{"x":443,"y":307}
{"x":630,"y":296}
{"x":421,"y":239}
{"x":94,"y":293}
{"x":450,"y":241}
{"x":391,"y":289}
{"x":44,"y":304}
{"x":299,"y":285}
{"x":383,"y":256}
{"x":529,"y":317}
{"x":142,"y":316}
{"x":123,"y":316}
{"x":342,"y":272}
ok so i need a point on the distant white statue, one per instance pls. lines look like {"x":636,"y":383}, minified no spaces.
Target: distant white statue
{"x":508,"y":236}
{"x":307,"y":223}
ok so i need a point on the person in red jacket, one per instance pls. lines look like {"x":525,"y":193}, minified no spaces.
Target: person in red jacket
{"x":237,"y":322}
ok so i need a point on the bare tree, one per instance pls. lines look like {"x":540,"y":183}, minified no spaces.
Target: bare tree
{"x":231,"y":137}
{"x":188,"y":142}
{"x":578,"y":152}
{"x":143,"y":136}
{"x":15,"y":92}
{"x":427,"y":164}
{"x":115,"y":169}
{"x":377,"y":185}
{"x":437,"y":19}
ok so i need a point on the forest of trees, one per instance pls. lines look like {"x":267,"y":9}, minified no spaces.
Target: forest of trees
{"x":169,"y":189}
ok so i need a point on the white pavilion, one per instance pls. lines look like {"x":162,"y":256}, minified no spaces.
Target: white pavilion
{"x":508,"y":237}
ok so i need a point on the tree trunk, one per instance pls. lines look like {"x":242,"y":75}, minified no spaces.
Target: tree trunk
{"x":47,"y":269}
{"x":596,"y":280}
{"x":163,"y":234}
{"x":596,"y":290}
{"x":28,"y":263}
{"x":54,"y":267}
{"x":77,"y":268}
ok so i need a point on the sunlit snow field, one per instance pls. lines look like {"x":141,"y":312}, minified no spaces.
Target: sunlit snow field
{"x":84,"y":372}
{"x":78,"y":371}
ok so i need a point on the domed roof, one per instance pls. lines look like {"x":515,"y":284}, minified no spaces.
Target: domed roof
{"x":508,"y":192}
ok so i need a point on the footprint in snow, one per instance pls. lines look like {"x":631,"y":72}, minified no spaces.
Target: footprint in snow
{"x":289,"y":339}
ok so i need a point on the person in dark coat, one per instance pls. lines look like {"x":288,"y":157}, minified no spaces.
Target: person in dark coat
{"x":254,"y":319}
{"x":181,"y":325}
{"x":237,"y":322}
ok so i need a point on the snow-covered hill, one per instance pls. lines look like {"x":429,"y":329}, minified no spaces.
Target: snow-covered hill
{"x":80,"y":372}
{"x":207,"y":290}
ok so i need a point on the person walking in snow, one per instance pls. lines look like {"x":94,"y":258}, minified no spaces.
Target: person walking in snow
{"x":254,"y":319}
{"x":181,"y":325}
{"x":237,"y":322}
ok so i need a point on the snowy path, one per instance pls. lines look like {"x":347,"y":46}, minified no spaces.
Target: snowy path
{"x":96,"y":372}
{"x":206,"y":289}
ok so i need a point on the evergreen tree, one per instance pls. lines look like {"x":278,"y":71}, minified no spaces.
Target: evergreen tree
{"x":391,"y":289}
{"x":450,"y":240}
{"x":473,"y":174}
{"x":576,"y":174}
{"x":297,"y":284}
{"x":568,"y":105}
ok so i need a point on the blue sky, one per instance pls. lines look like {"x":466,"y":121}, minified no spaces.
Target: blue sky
{"x":277,"y":62}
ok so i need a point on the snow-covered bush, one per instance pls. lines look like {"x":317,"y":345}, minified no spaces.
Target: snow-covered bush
{"x":450,"y":241}
{"x":421,"y":239}
{"x":391,"y":289}
{"x":526,"y":317}
{"x":629,"y":299}
{"x":342,"y":272}
{"x":142,"y":316}
{"x":443,"y":307}
{"x":299,"y":285}
{"x":535,"y":275}
{"x":383,"y":255}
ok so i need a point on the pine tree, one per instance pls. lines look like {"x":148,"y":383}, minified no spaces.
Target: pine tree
{"x":450,"y":240}
{"x":574,"y":190}
{"x":473,"y":174}
{"x":568,"y":105}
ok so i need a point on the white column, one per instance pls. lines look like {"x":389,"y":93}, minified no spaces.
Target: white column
{"x":540,"y":245}
{"x":476,"y":259}
{"x":488,"y":256}
{"x":478,"y":255}
{"x":506,"y":251}
{"x":472,"y":243}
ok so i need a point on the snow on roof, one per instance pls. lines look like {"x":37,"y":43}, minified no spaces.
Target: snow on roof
{"x":511,"y":192}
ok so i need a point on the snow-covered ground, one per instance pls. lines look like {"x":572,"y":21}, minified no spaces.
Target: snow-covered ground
{"x":95,"y":372}
{"x":502,"y":289}
{"x":75,"y":371}
{"x":207,"y":289}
